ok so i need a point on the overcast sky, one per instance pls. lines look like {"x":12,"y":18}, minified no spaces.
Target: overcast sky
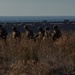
{"x":37,"y":7}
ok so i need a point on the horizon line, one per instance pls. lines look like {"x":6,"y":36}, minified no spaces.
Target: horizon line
{"x":38,"y":16}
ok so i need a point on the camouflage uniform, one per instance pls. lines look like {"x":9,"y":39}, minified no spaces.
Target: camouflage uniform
{"x":3,"y":33}
{"x":47,"y":33}
{"x":40,"y":33}
{"x":56,"y":33}
{"x":29,"y":33}
{"x":16,"y":34}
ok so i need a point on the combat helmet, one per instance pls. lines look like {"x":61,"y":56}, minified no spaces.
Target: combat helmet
{"x":26,"y":27}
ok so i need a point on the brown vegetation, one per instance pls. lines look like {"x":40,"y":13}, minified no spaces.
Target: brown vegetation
{"x":38,"y":58}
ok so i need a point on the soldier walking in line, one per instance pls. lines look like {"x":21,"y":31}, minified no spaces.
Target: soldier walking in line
{"x":47,"y":33}
{"x":16,"y":34}
{"x":3,"y":33}
{"x":28,"y":32}
{"x":40,"y":34}
{"x":56,"y":33}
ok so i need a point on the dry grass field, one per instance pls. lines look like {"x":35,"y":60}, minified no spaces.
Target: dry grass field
{"x":42,"y":57}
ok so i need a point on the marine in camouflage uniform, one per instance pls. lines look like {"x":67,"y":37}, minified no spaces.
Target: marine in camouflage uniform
{"x":28,"y":33}
{"x":3,"y":33}
{"x":16,"y":34}
{"x":40,"y":34}
{"x":47,"y":33}
{"x":56,"y":33}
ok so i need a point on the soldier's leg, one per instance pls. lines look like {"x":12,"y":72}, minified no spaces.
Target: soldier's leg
{"x":54,"y":38}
